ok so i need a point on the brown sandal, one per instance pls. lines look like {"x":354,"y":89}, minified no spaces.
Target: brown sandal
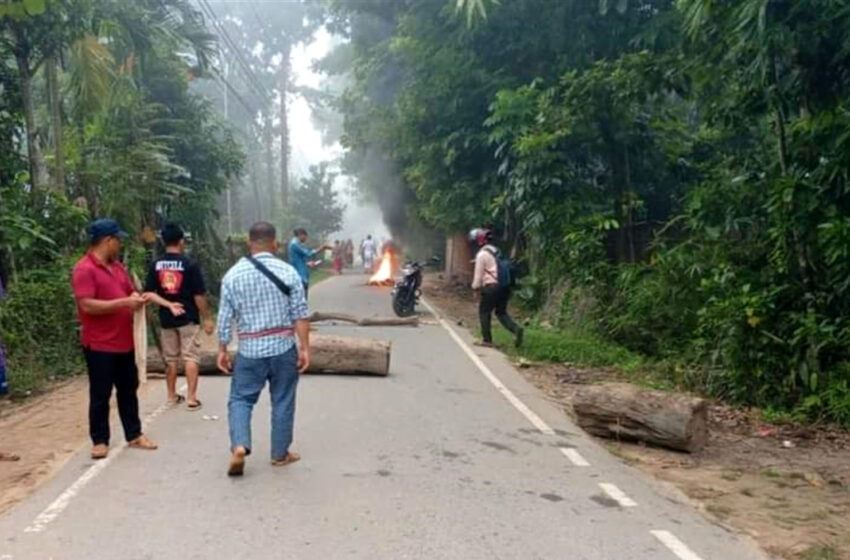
{"x":290,"y":458}
{"x":142,"y":442}
{"x":237,"y":462}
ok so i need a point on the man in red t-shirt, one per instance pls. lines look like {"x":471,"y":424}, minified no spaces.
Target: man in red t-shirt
{"x":106,"y":299}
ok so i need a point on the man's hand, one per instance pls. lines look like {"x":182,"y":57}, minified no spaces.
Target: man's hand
{"x":303,"y":359}
{"x":135,"y":301}
{"x":176,"y":309}
{"x":224,"y":363}
{"x":209,"y":326}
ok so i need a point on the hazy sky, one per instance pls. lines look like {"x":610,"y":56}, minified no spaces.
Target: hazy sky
{"x":307,"y":148}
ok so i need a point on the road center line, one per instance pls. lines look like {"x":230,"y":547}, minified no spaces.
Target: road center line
{"x":676,"y":546}
{"x":617,"y":495}
{"x":574,"y":456}
{"x":52,"y":511}
{"x":535,"y":420}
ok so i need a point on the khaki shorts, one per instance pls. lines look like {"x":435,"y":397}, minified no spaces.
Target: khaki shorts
{"x":182,"y":343}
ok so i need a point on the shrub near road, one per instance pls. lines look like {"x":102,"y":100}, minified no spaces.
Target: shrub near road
{"x":39,"y":329}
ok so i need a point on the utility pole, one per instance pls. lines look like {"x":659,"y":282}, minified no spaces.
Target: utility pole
{"x":285,"y":68}
{"x":229,"y":193}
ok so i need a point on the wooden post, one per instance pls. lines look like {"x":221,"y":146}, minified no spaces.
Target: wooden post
{"x":140,"y":336}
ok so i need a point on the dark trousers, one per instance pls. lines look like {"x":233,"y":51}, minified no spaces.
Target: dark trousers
{"x":108,"y":369}
{"x":494,"y":298}
{"x":306,"y":289}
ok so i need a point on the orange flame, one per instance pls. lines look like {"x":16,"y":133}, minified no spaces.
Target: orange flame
{"x":385,"y":270}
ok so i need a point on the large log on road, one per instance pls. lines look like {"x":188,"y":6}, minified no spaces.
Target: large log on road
{"x":332,"y":354}
{"x":624,"y":411}
{"x":318,"y":316}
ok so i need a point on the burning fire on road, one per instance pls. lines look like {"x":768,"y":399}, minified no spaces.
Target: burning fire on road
{"x":384,"y":275}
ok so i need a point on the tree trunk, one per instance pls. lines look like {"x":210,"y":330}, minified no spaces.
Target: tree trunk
{"x":270,"y":179}
{"x":284,"y":127}
{"x":630,"y":221}
{"x":624,"y":411}
{"x":87,"y":188}
{"x":38,"y":169}
{"x":55,"y":105}
{"x":255,"y":185}
{"x":328,"y":354}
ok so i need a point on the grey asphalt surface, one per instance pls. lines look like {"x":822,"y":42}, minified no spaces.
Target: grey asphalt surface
{"x":431,"y":462}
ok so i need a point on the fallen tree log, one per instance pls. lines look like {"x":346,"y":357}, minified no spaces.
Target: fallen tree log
{"x":331,"y":354}
{"x":626,"y":412}
{"x":318,"y":316}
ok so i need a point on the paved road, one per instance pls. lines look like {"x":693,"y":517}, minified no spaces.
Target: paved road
{"x":433,"y":462}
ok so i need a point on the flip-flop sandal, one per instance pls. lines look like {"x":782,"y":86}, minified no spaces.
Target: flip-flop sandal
{"x":142,"y":442}
{"x":177,"y":401}
{"x":192,"y":407}
{"x":237,"y":464}
{"x":290,"y":458}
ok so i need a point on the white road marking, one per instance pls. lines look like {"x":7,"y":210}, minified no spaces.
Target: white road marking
{"x":507,"y":393}
{"x":676,"y":546}
{"x":52,"y":511}
{"x":617,"y":495}
{"x":575,"y":457}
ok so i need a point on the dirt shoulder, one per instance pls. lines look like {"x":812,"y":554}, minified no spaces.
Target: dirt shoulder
{"x":786,"y":486}
{"x":43,"y":432}
{"x":40,"y":434}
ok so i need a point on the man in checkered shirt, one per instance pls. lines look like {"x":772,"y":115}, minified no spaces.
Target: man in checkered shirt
{"x":267,"y":323}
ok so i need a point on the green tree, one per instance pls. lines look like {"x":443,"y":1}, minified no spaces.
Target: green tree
{"x":315,"y":206}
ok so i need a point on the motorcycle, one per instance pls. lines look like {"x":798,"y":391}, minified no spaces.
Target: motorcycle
{"x":407,"y":291}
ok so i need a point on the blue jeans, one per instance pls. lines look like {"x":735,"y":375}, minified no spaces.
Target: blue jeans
{"x":249,"y":378}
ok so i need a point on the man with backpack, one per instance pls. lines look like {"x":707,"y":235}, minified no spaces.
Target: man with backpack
{"x":493,"y":280}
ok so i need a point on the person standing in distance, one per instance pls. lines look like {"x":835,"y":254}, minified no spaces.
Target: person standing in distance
{"x":176,"y":280}
{"x":267,"y":299}
{"x":300,"y":254}
{"x":368,"y":250}
{"x":106,"y":299}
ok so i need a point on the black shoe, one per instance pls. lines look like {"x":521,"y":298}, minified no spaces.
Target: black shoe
{"x":520,"y":335}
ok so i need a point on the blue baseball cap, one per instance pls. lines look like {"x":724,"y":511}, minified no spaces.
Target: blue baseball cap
{"x":105,"y":227}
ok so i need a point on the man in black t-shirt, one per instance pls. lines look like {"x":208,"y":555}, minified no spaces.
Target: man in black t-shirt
{"x":176,"y":278}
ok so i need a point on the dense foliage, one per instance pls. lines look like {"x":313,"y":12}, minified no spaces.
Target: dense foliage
{"x":97,"y":119}
{"x":675,"y":169}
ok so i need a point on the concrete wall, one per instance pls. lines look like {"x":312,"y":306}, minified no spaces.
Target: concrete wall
{"x":458,"y":259}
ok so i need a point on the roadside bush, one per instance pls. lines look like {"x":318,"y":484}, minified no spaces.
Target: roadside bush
{"x":38,"y":326}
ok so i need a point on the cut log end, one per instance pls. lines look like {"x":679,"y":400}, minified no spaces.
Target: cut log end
{"x":626,"y":412}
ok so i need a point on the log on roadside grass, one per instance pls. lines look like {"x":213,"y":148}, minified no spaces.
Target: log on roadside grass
{"x":626,"y":412}
{"x":328,"y":354}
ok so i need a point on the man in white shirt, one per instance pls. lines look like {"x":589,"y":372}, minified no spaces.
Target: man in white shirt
{"x":368,"y":251}
{"x":493,"y":296}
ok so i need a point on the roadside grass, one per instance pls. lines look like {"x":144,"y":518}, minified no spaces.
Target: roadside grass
{"x":819,"y":552}
{"x":319,"y":275}
{"x":569,"y":346}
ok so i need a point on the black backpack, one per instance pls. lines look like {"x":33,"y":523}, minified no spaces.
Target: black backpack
{"x":508,"y":270}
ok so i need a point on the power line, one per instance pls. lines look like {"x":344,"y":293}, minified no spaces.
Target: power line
{"x":236,"y":51}
{"x":243,"y":63}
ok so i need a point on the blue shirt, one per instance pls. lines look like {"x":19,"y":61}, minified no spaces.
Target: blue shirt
{"x":298,"y":255}
{"x":258,"y":305}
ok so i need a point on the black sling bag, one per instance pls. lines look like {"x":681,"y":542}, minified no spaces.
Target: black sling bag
{"x":270,"y":275}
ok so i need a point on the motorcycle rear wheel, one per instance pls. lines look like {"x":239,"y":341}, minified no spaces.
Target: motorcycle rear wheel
{"x":403,"y":306}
